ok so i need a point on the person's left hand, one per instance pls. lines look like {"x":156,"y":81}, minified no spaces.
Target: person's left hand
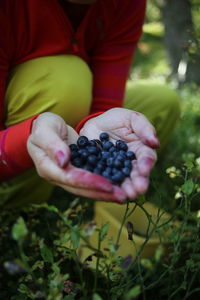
{"x":140,"y":136}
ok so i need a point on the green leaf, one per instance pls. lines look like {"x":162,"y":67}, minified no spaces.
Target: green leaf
{"x":96,"y":297}
{"x":19,"y":230}
{"x":25,"y":290}
{"x":189,"y":164}
{"x":104,"y":231}
{"x":46,"y":253}
{"x":75,"y":238}
{"x":133,"y":293}
{"x":188,"y":187}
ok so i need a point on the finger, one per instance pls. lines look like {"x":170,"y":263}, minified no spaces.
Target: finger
{"x":140,"y":183}
{"x":85,"y":179}
{"x":146,"y":157}
{"x":117,"y":196}
{"x":75,"y":177}
{"x":136,"y":184}
{"x":129,"y":189}
{"x":144,"y":130}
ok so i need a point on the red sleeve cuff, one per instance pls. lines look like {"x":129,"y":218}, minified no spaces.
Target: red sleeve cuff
{"x":15,"y":148}
{"x":82,"y":122}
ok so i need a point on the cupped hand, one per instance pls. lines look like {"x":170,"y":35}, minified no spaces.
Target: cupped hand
{"x":48,"y":147}
{"x":140,"y":136}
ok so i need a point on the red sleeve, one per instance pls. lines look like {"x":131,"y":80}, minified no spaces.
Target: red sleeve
{"x":113,"y":56}
{"x":14,"y":158}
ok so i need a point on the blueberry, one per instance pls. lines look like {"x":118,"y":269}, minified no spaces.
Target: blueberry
{"x":106,"y":175}
{"x":123,"y":153}
{"x":73,"y":147}
{"x":114,"y":170}
{"x":92,"y":159}
{"x":130,"y":155}
{"x":100,"y":166}
{"x":126,"y":171}
{"x":120,"y":157}
{"x":112,"y":149}
{"x":97,"y":142}
{"x":97,"y":171}
{"x":128,"y":163}
{"x":104,"y":136}
{"x":82,"y":141}
{"x":83,"y":153}
{"x":88,"y":167}
{"x":74,"y":154}
{"x":92,"y":143}
{"x":121,"y":145}
{"x":107,"y":145}
{"x":118,"y":164}
{"x":77,"y":162}
{"x":105,"y":155}
{"x":108,"y":170}
{"x":110,"y":161}
{"x":93,"y":150}
{"x":118,"y":177}
{"x":114,"y":153}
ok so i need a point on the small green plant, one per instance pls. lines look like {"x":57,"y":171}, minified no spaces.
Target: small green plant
{"x":40,"y":253}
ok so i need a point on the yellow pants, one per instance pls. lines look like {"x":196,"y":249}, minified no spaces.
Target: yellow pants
{"x":63,"y":85}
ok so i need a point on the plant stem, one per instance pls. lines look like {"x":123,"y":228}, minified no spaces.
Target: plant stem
{"x":122,"y":224}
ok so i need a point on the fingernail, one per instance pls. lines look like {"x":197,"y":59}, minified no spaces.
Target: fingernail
{"x":153,"y":142}
{"x":61,"y":158}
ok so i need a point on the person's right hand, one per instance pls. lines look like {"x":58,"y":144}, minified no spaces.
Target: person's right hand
{"x":48,"y":147}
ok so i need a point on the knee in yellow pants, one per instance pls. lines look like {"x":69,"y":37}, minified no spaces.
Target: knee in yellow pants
{"x":159,"y":103}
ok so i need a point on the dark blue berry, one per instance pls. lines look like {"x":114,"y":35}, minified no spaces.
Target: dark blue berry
{"x":97,"y":143}
{"x":108,"y":170}
{"x":97,"y":171}
{"x":104,"y":136}
{"x":118,"y":177}
{"x":83,"y":153}
{"x":121,"y":145}
{"x":100,"y":166}
{"x":128,"y":163}
{"x":93,"y":150}
{"x":118,"y":164}
{"x":122,"y":153}
{"x":82,"y":141}
{"x":120,"y":157}
{"x":115,"y":153}
{"x":73,"y":147}
{"x":77,"y":162}
{"x":112,"y":149}
{"x":92,"y":143}
{"x":92,"y":160}
{"x":130,"y":155}
{"x":110,"y":161}
{"x":126,"y":171}
{"x":88,"y":167}
{"x":105,"y":155}
{"x":74,"y":154}
{"x":106,"y":175}
{"x":107,"y":145}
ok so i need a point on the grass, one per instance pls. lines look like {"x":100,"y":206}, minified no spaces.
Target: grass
{"x":39,"y":245}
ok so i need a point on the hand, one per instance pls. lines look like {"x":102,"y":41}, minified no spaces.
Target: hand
{"x":48,"y":147}
{"x":133,"y":128}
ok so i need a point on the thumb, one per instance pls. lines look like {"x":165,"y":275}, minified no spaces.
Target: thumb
{"x":53,"y":143}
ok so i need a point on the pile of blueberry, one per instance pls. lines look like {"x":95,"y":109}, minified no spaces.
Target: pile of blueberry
{"x":113,"y":161}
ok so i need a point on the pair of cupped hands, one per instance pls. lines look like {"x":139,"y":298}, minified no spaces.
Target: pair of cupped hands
{"x":48,"y":146}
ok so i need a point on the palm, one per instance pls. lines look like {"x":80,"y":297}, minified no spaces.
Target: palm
{"x":139,"y":135}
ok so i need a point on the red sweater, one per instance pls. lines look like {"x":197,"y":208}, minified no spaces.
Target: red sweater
{"x":106,"y":40}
